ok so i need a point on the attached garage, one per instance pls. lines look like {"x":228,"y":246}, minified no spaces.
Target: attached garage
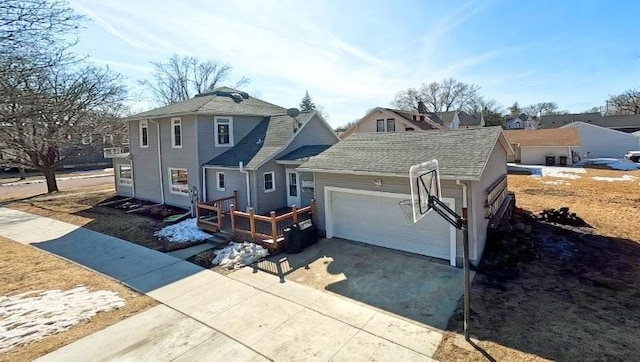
{"x":375,"y":218}
{"x":360,"y":181}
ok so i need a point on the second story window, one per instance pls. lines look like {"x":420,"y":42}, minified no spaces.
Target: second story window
{"x":144,"y":134}
{"x":380,"y":125}
{"x":223,"y":129}
{"x":391,"y":125}
{"x":176,"y":133}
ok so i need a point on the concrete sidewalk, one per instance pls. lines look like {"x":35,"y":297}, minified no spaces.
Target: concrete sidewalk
{"x":247,"y":315}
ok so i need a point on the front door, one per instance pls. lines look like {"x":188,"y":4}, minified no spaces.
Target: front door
{"x":293,"y":188}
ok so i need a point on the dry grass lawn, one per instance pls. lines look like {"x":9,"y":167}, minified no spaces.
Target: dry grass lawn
{"x":575,"y":295}
{"x":78,"y":207}
{"x":25,"y":268}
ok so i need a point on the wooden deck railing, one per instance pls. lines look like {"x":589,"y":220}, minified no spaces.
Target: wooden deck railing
{"x":263,"y":228}
{"x":496,"y":193}
{"x":209,"y":215}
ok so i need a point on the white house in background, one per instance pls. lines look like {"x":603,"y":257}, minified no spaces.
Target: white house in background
{"x":523,"y":121}
{"x":543,"y":146}
{"x":599,"y":141}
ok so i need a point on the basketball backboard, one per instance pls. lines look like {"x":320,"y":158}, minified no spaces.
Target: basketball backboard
{"x":425,"y":183}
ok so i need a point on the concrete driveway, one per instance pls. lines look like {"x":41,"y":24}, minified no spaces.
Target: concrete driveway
{"x":422,"y":289}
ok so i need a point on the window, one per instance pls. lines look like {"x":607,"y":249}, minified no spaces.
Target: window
{"x":179,"y":181}
{"x":269,"y":182}
{"x":176,"y":133}
{"x":223,"y":129}
{"x":293,"y":184}
{"x":380,"y":125}
{"x":517,"y":124}
{"x":125,"y":175}
{"x":391,"y":125}
{"x":220,"y":181}
{"x":144,"y":134}
{"x":107,"y":138}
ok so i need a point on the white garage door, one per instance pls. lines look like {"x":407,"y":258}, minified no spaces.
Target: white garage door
{"x":377,"y":219}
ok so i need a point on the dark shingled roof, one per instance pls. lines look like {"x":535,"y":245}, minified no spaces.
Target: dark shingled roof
{"x":263,"y":142}
{"x":304,"y":152}
{"x":218,"y":101}
{"x":469,"y":120}
{"x":427,"y":124}
{"x":461,"y":153}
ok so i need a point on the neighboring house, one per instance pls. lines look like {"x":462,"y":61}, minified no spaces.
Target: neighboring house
{"x":523,"y":121}
{"x":360,"y":181}
{"x":460,"y":119}
{"x":624,"y":123}
{"x":596,"y":141}
{"x":544,"y":146}
{"x":392,"y":120}
{"x":209,"y":146}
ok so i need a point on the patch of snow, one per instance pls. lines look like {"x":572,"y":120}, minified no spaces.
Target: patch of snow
{"x":556,"y":182}
{"x":33,"y":315}
{"x":612,"y":163}
{"x":237,"y":255}
{"x":613,"y":179}
{"x":561,"y":172}
{"x":182,"y":232}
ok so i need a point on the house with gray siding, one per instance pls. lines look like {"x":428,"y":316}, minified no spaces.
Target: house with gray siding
{"x":360,"y":182}
{"x":207,"y":147}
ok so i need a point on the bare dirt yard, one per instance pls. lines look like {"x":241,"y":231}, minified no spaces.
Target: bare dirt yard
{"x":559,"y":292}
{"x":25,"y":268}
{"x":79,"y":206}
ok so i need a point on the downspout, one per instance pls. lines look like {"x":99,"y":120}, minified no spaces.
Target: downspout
{"x":159,"y":161}
{"x":204,"y":184}
{"x":242,"y":170}
{"x":465,"y":259}
{"x":133,"y":180}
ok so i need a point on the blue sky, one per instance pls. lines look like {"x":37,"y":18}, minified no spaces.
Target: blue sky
{"x":355,"y":55}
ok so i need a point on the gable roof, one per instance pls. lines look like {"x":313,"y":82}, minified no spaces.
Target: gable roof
{"x":263,"y":142}
{"x":469,"y":120}
{"x":622,"y":121}
{"x":224,"y":101}
{"x":559,"y":120}
{"x":461,"y":153}
{"x":603,"y":129}
{"x":427,"y":124}
{"x":446,"y":118}
{"x":304,"y":152}
{"x":544,"y":137}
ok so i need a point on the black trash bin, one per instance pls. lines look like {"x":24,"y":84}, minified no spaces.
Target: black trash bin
{"x":299,"y":236}
{"x":563,"y":160}
{"x":550,"y":160}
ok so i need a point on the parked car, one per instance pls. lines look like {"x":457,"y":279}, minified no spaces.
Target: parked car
{"x":633,"y":156}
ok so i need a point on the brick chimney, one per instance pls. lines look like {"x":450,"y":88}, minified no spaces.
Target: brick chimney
{"x":422,"y":109}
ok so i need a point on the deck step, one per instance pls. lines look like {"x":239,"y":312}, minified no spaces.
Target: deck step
{"x":221,"y":237}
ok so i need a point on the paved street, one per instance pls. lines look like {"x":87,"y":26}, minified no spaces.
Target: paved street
{"x":65,"y":183}
{"x":248,"y":315}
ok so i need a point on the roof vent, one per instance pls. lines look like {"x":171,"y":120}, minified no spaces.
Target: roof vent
{"x":237,"y":97}
{"x":259,"y":141}
{"x":293,"y":112}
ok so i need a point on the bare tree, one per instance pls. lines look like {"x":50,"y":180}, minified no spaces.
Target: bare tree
{"x":541,"y":109}
{"x":63,"y":106}
{"x":50,"y":98}
{"x":627,"y":102}
{"x":182,"y":77}
{"x":448,"y":95}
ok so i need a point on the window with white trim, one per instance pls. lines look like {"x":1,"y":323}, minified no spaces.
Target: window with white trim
{"x":125,"y":176}
{"x":176,"y":133}
{"x":220,"y":182}
{"x":380,"y":125}
{"x":178,"y":181}
{"x":144,"y":133}
{"x":269,"y":181}
{"x":391,"y":125}
{"x":223,"y":131}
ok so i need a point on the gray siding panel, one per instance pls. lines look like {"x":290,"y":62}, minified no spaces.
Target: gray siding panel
{"x":145,"y":163}
{"x":313,"y":133}
{"x":268,"y":201}
{"x":234,"y":181}
{"x":496,"y":167}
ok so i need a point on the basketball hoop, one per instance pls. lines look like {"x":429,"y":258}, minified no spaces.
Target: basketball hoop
{"x":407,"y":206}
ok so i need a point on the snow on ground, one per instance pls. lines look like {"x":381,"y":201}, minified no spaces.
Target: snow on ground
{"x":612,"y":179}
{"x":571,"y":173}
{"x":237,"y":255}
{"x":182,"y":232}
{"x":613,"y":163}
{"x":556,"y":182}
{"x":33,"y":315}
